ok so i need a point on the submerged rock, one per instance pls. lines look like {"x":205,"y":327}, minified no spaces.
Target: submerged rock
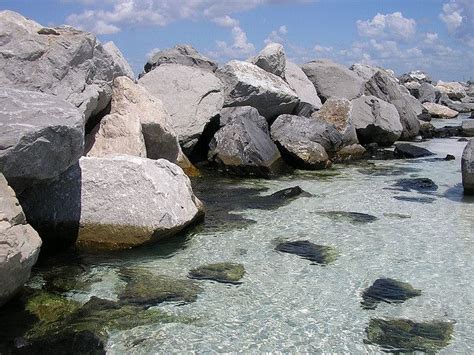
{"x":319,"y":254}
{"x":290,"y":193}
{"x":467,"y":168}
{"x":221,"y":272}
{"x":145,"y":288}
{"x":403,"y":335}
{"x":410,"y":151}
{"x":415,"y":199}
{"x":389,"y":291}
{"x":352,"y":217}
{"x":417,"y":184}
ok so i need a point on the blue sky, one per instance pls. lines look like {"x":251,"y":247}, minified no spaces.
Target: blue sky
{"x":433,"y":35}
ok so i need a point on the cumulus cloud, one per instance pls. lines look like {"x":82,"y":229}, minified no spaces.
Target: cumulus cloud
{"x":226,"y":21}
{"x":276,"y":36}
{"x":389,"y":26}
{"x":458,"y":16}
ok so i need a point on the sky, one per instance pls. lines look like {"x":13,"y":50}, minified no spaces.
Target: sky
{"x":436,"y":36}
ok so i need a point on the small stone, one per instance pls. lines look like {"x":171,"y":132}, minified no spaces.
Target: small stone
{"x":389,"y":291}
{"x":450,"y":157}
{"x":319,"y":254}
{"x":221,"y":272}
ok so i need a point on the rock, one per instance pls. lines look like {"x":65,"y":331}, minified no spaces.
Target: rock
{"x":366,"y":71}
{"x":409,"y":151}
{"x":289,"y":194}
{"x":427,"y":93}
{"x":416,"y":184}
{"x":180,"y":54}
{"x":229,"y":114}
{"x":415,"y":199}
{"x":468,"y":128}
{"x":221,"y":272}
{"x":455,"y":105}
{"x":333,"y":80}
{"x":248,"y":85}
{"x":138,"y":125}
{"x":426,"y":130}
{"x":338,"y":112}
{"x":351,"y":153}
{"x":40,"y":136}
{"x":375,"y":121}
{"x":242,"y":147}
{"x":439,"y":111}
{"x":449,"y":157}
{"x":318,"y":254}
{"x":121,"y":64}
{"x":415,"y":76}
{"x":289,"y":129}
{"x":453,"y":89}
{"x":414,"y":88}
{"x":467,"y":168}
{"x":387,"y":89}
{"x":403,"y":335}
{"x":271,"y":59}
{"x":145,"y":288}
{"x":72,"y":64}
{"x":351,"y":217}
{"x":113,"y":203}
{"x":389,"y":291}
{"x":424,"y":117}
{"x":302,"y":86}
{"x":19,"y":244}
{"x":192,"y":96}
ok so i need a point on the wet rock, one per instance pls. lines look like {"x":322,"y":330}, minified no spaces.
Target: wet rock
{"x":424,"y":117}
{"x":145,"y":288}
{"x":403,"y":335}
{"x":304,"y":88}
{"x":449,"y":157}
{"x":439,"y":111}
{"x":350,"y":153}
{"x":290,"y":193}
{"x":467,"y":168}
{"x":221,"y":272}
{"x":49,"y":307}
{"x":410,"y":151}
{"x":389,"y":291}
{"x":248,"y":85}
{"x":272,"y":59}
{"x":318,"y":254}
{"x":333,"y":80}
{"x":468,"y":128}
{"x":351,"y":217}
{"x":416,"y":184}
{"x":415,"y":199}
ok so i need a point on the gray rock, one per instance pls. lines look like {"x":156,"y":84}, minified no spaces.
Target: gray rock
{"x":40,"y":136}
{"x":427,"y":93}
{"x":70,"y":64}
{"x":241,"y":147}
{"x":191,"y":96}
{"x":338,"y":112}
{"x":385,"y":88}
{"x":415,"y":76}
{"x":271,"y":59}
{"x":468,"y":128}
{"x":375,"y":121}
{"x":243,"y":112}
{"x":413,"y":88}
{"x":350,"y":153}
{"x":113,"y":203}
{"x":19,"y":244}
{"x":119,"y":60}
{"x":467,"y":167}
{"x":439,"y":111}
{"x":366,"y":71}
{"x":453,"y":89}
{"x":248,"y":85}
{"x":333,"y":80}
{"x":181,"y":54}
{"x":455,"y":105}
{"x":302,"y":86}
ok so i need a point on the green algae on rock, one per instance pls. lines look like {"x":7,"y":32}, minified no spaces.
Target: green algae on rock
{"x":221,"y":272}
{"x":403,"y":335}
{"x":387,"y":290}
{"x":319,"y":254}
{"x":49,"y":307}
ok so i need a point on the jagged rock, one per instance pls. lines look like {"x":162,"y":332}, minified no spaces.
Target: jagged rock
{"x":386,"y":88}
{"x":40,"y":136}
{"x":455,"y":105}
{"x":272,"y":59}
{"x":302,"y":86}
{"x":454,"y":90}
{"x":242,"y":147}
{"x":19,"y":244}
{"x":413,"y":87}
{"x":230,"y":273}
{"x":424,"y":117}
{"x":389,"y":291}
{"x":248,"y":85}
{"x":228,"y":114}
{"x":467,"y":168}
{"x":338,"y":112}
{"x":350,"y":153}
{"x":192,"y":96}
{"x":318,"y":254}
{"x":468,"y":128}
{"x":366,"y":71}
{"x":333,"y":80}
{"x":70,"y":64}
{"x":439,"y":111}
{"x":375,"y":121}
{"x":415,"y":76}
{"x":180,"y":54}
{"x":406,"y":150}
{"x":122,"y":66}
{"x":427,"y":93}
{"x":113,"y":203}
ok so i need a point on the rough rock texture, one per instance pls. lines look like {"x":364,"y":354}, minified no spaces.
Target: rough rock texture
{"x":191,"y":96}
{"x":248,"y":85}
{"x":415,"y":76}
{"x":410,"y":151}
{"x":333,"y":80}
{"x":301,"y":85}
{"x":226,"y":272}
{"x":40,"y":136}
{"x":386,"y":88}
{"x":454,"y":90}
{"x":366,"y":71}
{"x":375,"y":121}
{"x":413,"y":87}
{"x":456,"y":105}
{"x":119,"y":60}
{"x":427,"y":93}
{"x":113,"y":203}
{"x":70,"y":64}
{"x":242,"y":147}
{"x":181,"y":54}
{"x":467,"y":167}
{"x":468,"y":128}
{"x":19,"y":244}
{"x":350,"y":153}
{"x":137,"y":125}
{"x":229,"y":114}
{"x":338,"y":112}
{"x":439,"y":111}
{"x":272,"y":59}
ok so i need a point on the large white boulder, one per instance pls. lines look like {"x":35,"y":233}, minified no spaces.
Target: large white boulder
{"x":439,"y":111}
{"x":301,"y":85}
{"x":272,"y":59}
{"x":119,"y":60}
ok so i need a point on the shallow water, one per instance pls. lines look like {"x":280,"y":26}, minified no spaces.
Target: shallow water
{"x":285,"y":302}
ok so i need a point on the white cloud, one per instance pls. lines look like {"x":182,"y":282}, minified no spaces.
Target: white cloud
{"x":152,"y":52}
{"x":226,"y":21}
{"x":389,"y":26}
{"x":320,"y":49}
{"x":458,"y":16}
{"x":431,"y":38}
{"x":276,"y":36}
{"x":240,"y":47}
